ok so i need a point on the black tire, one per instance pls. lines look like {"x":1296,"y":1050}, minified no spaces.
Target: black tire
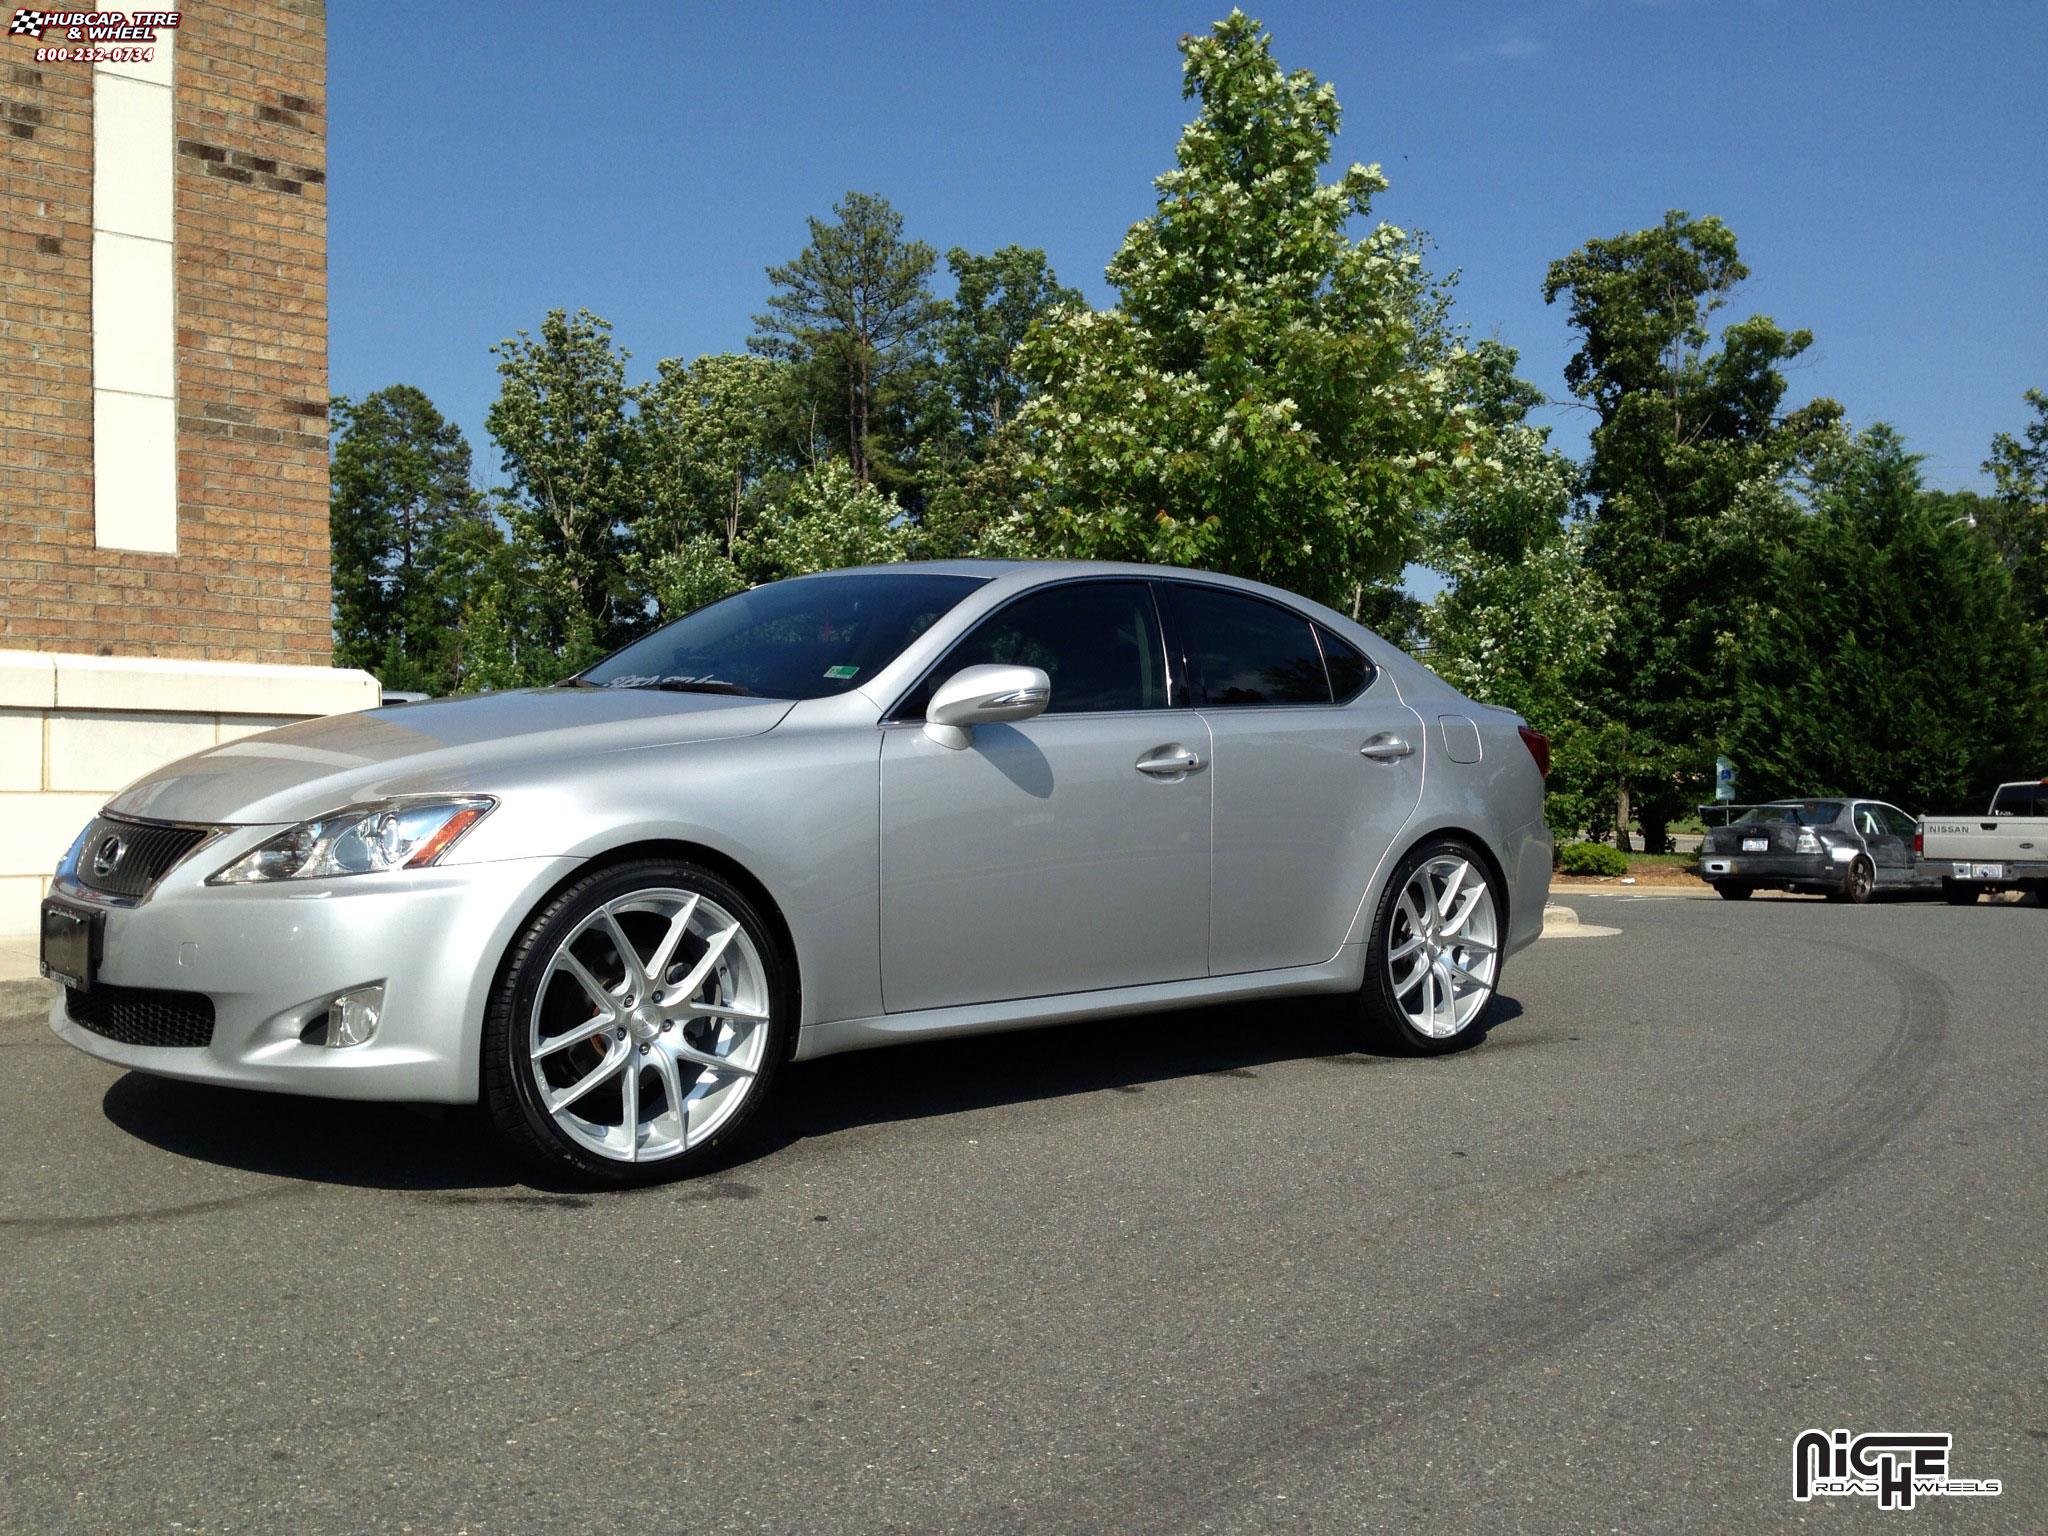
{"x":1858,"y":881}
{"x":1957,"y":894}
{"x":1728,"y":890}
{"x":1386,"y":1022}
{"x":510,"y":1092}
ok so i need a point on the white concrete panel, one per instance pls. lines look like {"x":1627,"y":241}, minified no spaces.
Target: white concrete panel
{"x":91,"y":750}
{"x":21,"y":901}
{"x":157,"y":71}
{"x":134,"y":315}
{"x":235,"y":727}
{"x":134,"y":470}
{"x":36,"y":829}
{"x":28,"y":679}
{"x":21,"y":749}
{"x":211,"y":687}
{"x":132,"y":148}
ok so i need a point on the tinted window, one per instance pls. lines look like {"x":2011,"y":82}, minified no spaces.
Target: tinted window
{"x":1098,"y":641}
{"x":1898,"y":821}
{"x":2017,"y":800}
{"x":800,"y":639}
{"x":1812,"y":813}
{"x":1244,"y":651}
{"x":1349,"y":671}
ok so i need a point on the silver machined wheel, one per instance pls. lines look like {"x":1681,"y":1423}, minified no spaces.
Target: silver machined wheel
{"x":1443,"y":947}
{"x":650,"y":1025}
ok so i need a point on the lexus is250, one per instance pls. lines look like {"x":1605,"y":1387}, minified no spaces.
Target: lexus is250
{"x":829,"y":813}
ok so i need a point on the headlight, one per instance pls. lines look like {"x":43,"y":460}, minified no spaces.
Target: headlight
{"x":362,"y":840}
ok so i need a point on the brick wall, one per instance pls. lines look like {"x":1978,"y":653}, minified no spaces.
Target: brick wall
{"x":250,"y":579}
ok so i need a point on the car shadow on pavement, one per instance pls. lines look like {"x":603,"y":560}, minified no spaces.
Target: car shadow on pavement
{"x":944,"y":1077}
{"x":331,"y":1141}
{"x":442,"y":1151}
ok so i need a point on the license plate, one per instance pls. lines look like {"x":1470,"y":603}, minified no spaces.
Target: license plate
{"x":71,"y":944}
{"x":1756,"y":845}
{"x":1979,"y":871}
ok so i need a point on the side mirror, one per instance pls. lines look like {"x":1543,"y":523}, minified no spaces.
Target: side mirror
{"x":984,"y":696}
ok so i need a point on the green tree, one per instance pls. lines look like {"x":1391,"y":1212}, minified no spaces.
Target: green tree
{"x":853,"y":315}
{"x":997,"y":299}
{"x":562,"y":422}
{"x":1690,"y":451}
{"x":2016,"y":519}
{"x":406,"y":525}
{"x":1893,"y":658}
{"x":1270,"y":397}
{"x":826,"y":520}
{"x":1523,"y":621}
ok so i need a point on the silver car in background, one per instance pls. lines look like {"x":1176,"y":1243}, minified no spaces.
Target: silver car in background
{"x":829,"y":813}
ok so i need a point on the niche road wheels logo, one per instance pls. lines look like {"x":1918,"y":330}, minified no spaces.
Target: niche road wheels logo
{"x":1895,"y":1468}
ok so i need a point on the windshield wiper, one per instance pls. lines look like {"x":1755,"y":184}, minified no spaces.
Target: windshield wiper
{"x":691,"y":685}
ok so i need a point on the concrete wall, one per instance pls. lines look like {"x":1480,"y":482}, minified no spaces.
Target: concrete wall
{"x":75,"y":729}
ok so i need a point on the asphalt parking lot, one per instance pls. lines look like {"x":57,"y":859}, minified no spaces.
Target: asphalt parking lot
{"x":1734,"y":1172}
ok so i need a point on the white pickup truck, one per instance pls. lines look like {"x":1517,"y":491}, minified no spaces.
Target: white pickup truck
{"x":2004,"y":849}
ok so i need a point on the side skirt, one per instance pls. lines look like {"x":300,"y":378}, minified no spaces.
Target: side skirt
{"x":1339,"y":974}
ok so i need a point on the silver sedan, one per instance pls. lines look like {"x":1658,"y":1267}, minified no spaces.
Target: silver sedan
{"x":829,"y":813}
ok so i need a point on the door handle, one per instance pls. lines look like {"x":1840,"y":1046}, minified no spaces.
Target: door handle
{"x":1170,"y":762}
{"x":1385,"y":747}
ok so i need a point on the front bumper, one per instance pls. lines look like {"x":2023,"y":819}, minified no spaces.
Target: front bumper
{"x":269,"y":957}
{"x":1813,"y":869}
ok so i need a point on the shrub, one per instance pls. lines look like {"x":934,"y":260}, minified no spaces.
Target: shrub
{"x":1592,"y":859}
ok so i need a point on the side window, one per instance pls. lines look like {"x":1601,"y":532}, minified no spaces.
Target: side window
{"x":1901,"y":824}
{"x":1867,"y":822}
{"x":1244,"y":651}
{"x":1098,"y":641}
{"x":1350,"y":673}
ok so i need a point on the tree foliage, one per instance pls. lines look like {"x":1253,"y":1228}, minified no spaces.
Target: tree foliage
{"x":853,"y":315}
{"x":407,"y":531}
{"x":562,"y":422}
{"x":1271,"y":396}
{"x":1892,"y":657}
{"x":1690,"y":450}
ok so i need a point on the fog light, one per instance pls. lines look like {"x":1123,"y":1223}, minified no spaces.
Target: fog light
{"x":352,"y":1017}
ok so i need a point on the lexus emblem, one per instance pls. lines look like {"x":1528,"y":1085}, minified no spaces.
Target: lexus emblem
{"x":108,"y":856}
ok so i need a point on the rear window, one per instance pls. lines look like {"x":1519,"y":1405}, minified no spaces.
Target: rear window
{"x":1811,"y":813}
{"x":2019,"y":800}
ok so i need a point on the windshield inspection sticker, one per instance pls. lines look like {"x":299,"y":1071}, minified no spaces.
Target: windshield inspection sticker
{"x":840,"y":674}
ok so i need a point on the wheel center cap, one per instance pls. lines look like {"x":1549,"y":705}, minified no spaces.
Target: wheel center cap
{"x":644,"y":1022}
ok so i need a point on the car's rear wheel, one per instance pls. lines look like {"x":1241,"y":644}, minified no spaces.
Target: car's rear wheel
{"x":1957,"y":894}
{"x":1858,"y":881}
{"x":638,"y":1026}
{"x":1432,"y":966}
{"x":1729,"y":890}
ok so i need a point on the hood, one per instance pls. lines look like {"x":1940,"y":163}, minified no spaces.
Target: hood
{"x":450,"y":745}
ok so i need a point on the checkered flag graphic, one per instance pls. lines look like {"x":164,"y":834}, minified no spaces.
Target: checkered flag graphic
{"x":27,"y":24}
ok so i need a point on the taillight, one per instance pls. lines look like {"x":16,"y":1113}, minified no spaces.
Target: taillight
{"x":1539,"y":748}
{"x":1919,"y":841}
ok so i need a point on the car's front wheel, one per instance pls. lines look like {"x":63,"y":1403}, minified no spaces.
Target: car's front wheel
{"x":1432,"y":966}
{"x":638,"y":1025}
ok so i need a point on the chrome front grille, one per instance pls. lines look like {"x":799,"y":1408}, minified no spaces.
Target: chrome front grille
{"x":128,"y":858}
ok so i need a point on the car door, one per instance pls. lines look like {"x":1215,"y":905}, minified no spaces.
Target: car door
{"x":1890,"y":854}
{"x":1065,"y":853}
{"x":1303,"y":812}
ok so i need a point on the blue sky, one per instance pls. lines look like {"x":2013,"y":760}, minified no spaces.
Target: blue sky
{"x":1882,"y":165}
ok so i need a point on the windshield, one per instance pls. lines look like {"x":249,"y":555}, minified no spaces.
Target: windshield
{"x":1809,"y":813}
{"x":798,"y":639}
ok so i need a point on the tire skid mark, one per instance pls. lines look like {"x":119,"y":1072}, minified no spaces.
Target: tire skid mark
{"x":44,"y":1226}
{"x":1352,"y":1404}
